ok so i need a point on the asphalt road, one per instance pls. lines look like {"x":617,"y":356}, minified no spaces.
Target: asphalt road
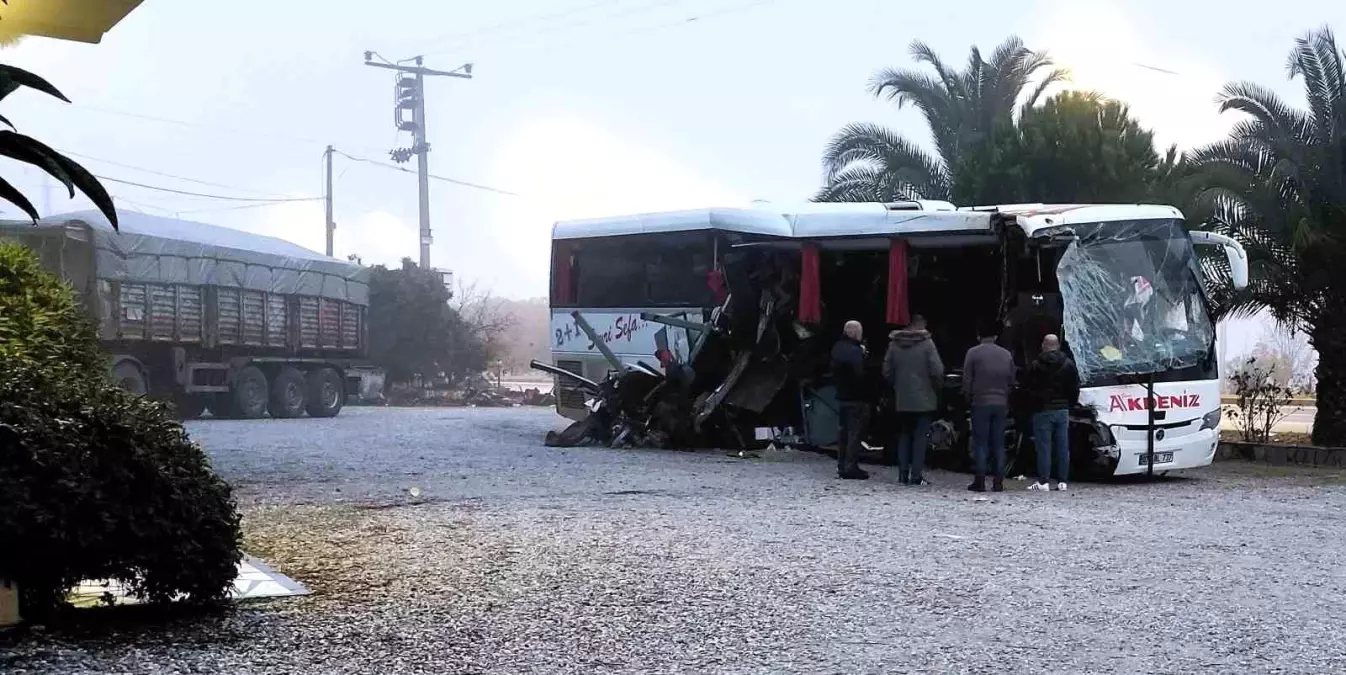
{"x":452,"y":541}
{"x":1297,"y":419}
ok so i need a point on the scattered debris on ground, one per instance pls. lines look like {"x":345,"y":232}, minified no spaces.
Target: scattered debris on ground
{"x":472,"y":393}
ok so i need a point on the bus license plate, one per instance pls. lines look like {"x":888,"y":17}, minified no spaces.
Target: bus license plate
{"x":1159,"y":458}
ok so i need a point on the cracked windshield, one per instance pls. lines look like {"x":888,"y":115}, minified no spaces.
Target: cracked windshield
{"x":671,"y":336}
{"x":1134,"y":303}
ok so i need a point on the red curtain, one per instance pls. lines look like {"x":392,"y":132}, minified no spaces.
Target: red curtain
{"x":715,"y":280}
{"x":810,"y":293}
{"x":899,"y":310}
{"x":563,"y":287}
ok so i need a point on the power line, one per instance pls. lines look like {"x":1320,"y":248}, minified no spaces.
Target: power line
{"x":207,"y":196}
{"x":298,"y":140}
{"x":234,"y":208}
{"x":686,"y":20}
{"x":464,"y":36}
{"x":140,"y":205}
{"x":455,"y":181}
{"x":630,"y":11}
{"x":1156,"y":69}
{"x":173,"y":176}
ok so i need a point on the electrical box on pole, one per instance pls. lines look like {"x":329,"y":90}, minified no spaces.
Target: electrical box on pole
{"x":408,"y":98}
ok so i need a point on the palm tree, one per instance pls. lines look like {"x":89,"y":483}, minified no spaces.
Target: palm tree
{"x":965,"y":111}
{"x":1278,"y":185}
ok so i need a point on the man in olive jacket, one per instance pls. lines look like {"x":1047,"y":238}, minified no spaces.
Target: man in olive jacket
{"x":913,"y":367}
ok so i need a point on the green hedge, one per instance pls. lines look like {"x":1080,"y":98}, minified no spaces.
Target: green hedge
{"x":95,"y":483}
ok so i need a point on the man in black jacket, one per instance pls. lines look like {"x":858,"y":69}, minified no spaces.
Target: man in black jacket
{"x":848,"y":372}
{"x":1053,"y":385}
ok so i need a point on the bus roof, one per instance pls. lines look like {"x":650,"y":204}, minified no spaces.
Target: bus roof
{"x":810,"y":221}
{"x":858,"y":219}
{"x":1033,"y":217}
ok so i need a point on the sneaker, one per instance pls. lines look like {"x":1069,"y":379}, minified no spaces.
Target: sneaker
{"x":1061,"y":487}
{"x":919,"y":482}
{"x":978,"y":485}
{"x":1040,"y":486}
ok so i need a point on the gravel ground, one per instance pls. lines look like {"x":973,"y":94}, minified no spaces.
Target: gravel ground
{"x":519,"y":558}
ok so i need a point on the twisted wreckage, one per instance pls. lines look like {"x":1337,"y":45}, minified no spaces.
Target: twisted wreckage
{"x":712,"y":328}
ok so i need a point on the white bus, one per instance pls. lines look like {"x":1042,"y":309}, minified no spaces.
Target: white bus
{"x":1120,"y":282}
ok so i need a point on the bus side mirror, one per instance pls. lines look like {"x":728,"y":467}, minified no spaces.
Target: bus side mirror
{"x":1233,"y":251}
{"x":1238,"y":266}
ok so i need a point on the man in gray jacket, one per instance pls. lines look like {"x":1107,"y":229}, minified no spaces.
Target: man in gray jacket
{"x":988,"y":378}
{"x":914,"y":370}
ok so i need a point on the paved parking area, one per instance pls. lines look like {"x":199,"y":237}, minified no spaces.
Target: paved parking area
{"x":451,"y":540}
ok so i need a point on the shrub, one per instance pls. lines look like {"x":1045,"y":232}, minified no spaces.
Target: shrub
{"x":95,"y":483}
{"x":1260,"y":400}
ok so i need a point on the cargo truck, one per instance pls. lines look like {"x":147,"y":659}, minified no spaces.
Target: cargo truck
{"x":210,"y":318}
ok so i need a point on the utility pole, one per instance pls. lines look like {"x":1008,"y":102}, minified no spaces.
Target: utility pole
{"x":327,"y":197}
{"x":410,"y":95}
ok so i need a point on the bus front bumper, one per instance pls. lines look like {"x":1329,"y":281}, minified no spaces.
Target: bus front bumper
{"x":1189,"y":451}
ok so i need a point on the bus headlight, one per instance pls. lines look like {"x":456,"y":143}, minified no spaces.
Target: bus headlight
{"x":1211,"y":420}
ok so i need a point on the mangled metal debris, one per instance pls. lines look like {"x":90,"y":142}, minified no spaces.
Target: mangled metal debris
{"x":716,"y":398}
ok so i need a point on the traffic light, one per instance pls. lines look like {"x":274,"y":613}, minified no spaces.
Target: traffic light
{"x":408,"y":98}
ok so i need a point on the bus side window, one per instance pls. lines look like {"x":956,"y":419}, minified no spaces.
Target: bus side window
{"x":661,"y":270}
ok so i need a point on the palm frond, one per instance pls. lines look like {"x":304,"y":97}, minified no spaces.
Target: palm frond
{"x":1317,"y":60}
{"x":1054,"y":76}
{"x":866,"y":184}
{"x":924,"y":54}
{"x":1268,"y":108}
{"x":880,"y":148}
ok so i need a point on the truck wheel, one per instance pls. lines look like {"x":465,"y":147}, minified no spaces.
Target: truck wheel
{"x":189,"y":406}
{"x":288,"y":393}
{"x":250,"y":393}
{"x":128,"y":376}
{"x":326,"y":393}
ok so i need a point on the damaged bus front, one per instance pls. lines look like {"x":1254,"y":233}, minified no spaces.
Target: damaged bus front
{"x":1137,"y":321}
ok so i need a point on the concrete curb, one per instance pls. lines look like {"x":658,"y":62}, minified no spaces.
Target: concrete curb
{"x":1282,"y":455}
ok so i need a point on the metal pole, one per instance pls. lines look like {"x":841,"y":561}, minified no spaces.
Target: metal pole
{"x":423,"y":170}
{"x":1149,"y":427}
{"x":327,"y":197}
{"x":422,"y":148}
{"x":599,"y":344}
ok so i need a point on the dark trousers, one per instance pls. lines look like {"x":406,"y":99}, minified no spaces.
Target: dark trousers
{"x":913,"y":434}
{"x":1051,"y":438}
{"x":854,"y":426}
{"x":988,"y":436}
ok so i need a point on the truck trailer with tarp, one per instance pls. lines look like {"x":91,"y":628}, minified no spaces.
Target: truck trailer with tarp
{"x":212,"y":318}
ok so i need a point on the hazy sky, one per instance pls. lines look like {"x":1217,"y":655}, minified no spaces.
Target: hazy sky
{"x":585,"y":107}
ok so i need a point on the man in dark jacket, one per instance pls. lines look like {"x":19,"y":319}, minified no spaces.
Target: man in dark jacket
{"x":848,"y":372}
{"x":1053,"y":385}
{"x":913,"y":368}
